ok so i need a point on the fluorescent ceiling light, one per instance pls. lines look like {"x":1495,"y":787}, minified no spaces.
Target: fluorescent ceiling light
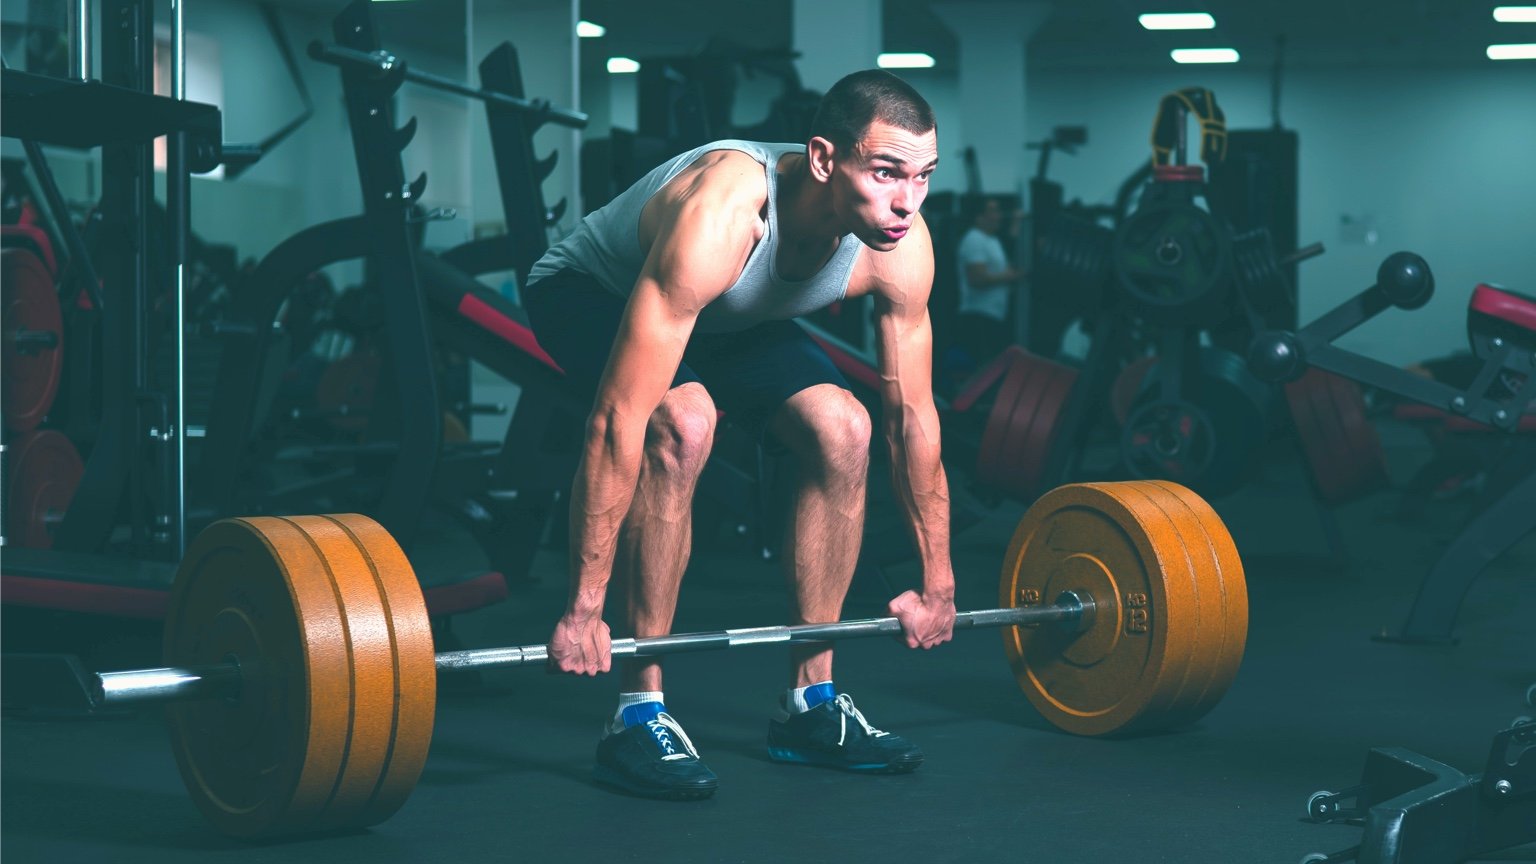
{"x":1204,"y":55}
{"x":622,"y":65}
{"x":905,"y":61}
{"x":588,"y":30}
{"x":1177,"y":21}
{"x":1515,"y":14}
{"x":1512,"y":52}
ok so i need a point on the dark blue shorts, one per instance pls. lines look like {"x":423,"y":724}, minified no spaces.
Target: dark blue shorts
{"x":748,"y":373}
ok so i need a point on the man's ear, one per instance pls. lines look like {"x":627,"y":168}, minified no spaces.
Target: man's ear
{"x":821,"y":153}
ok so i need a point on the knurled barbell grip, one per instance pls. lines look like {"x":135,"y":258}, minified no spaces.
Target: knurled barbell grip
{"x":140,"y":686}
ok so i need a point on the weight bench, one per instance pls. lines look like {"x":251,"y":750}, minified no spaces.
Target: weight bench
{"x":1502,"y":328}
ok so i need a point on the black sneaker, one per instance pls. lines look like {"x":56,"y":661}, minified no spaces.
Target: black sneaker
{"x":654,"y":759}
{"x":835,"y":734}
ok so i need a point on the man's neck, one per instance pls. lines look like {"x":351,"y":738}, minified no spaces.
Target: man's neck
{"x":805,"y":207}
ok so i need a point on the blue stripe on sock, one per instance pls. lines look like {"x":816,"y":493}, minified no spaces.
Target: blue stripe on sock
{"x":644,"y":712}
{"x":819,"y":693}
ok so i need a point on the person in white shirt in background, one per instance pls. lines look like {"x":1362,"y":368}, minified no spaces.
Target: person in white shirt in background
{"x":986,"y":283}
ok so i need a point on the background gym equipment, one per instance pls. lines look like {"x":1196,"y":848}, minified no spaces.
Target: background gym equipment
{"x":42,"y":475}
{"x":1413,"y":808}
{"x":1501,"y":327}
{"x":301,"y":668}
{"x":1342,"y":448}
{"x":34,"y":339}
{"x":1201,"y":423}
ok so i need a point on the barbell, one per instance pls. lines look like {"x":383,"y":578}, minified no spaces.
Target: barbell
{"x":301,"y":676}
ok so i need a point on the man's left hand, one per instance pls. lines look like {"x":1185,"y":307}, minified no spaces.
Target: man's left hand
{"x":927,"y":620}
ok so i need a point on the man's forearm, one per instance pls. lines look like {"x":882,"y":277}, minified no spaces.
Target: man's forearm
{"x":600,"y":499}
{"x":917,"y":474}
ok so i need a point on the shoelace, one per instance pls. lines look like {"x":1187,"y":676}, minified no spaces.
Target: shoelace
{"x":663,"y":727}
{"x":845,"y":705}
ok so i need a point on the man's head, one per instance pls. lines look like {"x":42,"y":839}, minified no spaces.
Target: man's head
{"x":874,"y":142}
{"x":986,"y":213}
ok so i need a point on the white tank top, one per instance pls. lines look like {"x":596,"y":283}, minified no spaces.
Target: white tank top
{"x":606,"y":246}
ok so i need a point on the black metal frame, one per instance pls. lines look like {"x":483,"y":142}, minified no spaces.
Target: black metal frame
{"x":1510,"y":513}
{"x":503,"y":497}
{"x":1415,"y":810}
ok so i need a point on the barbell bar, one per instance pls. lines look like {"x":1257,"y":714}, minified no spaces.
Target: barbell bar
{"x":300,"y":680}
{"x":381,"y":63}
{"x":169,"y":684}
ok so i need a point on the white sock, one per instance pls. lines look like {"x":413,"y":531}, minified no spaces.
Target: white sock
{"x":795,"y":701}
{"x":628,"y":699}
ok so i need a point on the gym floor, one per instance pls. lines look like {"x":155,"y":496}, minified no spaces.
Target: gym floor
{"x":508,"y":775}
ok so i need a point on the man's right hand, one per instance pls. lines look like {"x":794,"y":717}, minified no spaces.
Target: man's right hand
{"x":580,"y":646}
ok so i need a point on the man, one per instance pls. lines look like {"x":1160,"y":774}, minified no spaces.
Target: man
{"x":676,"y":298}
{"x":986,"y":279}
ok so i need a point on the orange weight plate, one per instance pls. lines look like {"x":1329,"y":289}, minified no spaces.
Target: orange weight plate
{"x":1233,"y":588}
{"x":1220,"y":595}
{"x":263,"y":762}
{"x":1183,"y":577}
{"x":370,"y":699}
{"x":415,"y":666}
{"x":34,"y":340}
{"x":306,"y":744}
{"x":1121,"y":673}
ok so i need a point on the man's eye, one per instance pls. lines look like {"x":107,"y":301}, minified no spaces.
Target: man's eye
{"x":883,"y":173}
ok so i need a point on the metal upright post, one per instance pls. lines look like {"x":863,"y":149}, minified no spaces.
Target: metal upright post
{"x":178,"y":205}
{"x":80,"y":39}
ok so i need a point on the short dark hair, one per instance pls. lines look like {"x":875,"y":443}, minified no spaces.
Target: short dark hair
{"x":861,"y":98}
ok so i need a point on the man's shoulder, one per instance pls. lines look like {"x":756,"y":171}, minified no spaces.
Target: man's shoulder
{"x":726,"y":174}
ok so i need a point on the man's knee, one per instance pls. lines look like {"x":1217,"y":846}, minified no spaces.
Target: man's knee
{"x":681,"y":430}
{"x":839,"y":428}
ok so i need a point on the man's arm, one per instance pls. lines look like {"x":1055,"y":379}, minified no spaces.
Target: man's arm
{"x":975,"y":255}
{"x":702,"y":241}
{"x":901,"y":282}
{"x":978,"y":276}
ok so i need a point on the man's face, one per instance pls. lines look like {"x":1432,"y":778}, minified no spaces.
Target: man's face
{"x":878,"y":188}
{"x":991,"y":216}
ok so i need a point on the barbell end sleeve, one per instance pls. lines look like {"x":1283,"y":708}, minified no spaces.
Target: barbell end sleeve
{"x":169,"y":684}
